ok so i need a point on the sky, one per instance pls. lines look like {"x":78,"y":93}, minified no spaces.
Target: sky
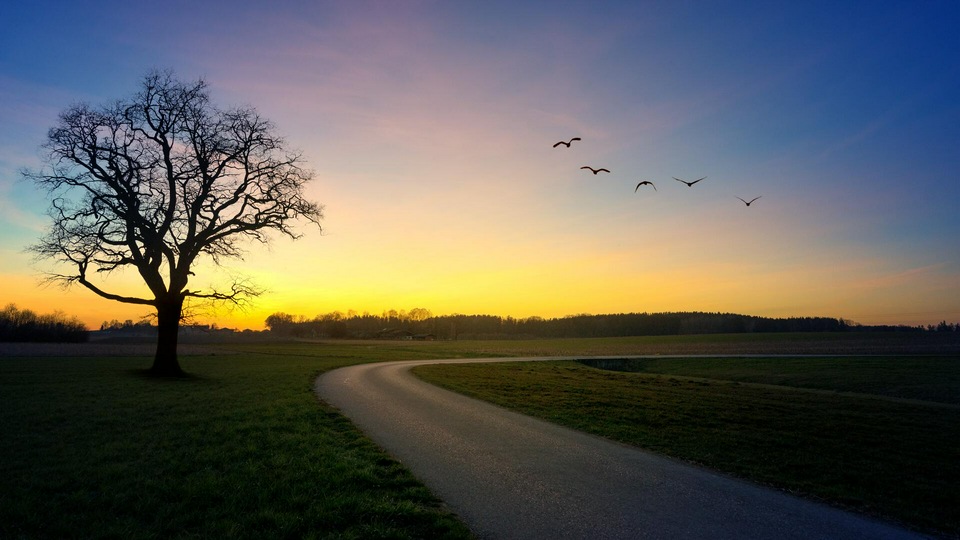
{"x":430,"y":126}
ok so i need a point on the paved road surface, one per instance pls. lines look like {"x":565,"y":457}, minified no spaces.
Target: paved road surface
{"x":511,"y":476}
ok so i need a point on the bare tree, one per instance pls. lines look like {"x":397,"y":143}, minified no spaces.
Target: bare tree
{"x":160,"y":181}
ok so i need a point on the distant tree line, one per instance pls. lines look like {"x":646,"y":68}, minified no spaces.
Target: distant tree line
{"x":143,"y":326}
{"x":419,"y":323}
{"x":944,"y":326}
{"x":194,"y":333}
{"x":23,"y":325}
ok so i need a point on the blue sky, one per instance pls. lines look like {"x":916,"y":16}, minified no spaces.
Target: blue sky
{"x":430,"y":124}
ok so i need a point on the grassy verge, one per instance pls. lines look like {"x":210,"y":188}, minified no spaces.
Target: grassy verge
{"x":90,"y":449}
{"x":881,"y":456}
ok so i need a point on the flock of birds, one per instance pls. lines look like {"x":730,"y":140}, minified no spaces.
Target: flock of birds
{"x":643,"y":182}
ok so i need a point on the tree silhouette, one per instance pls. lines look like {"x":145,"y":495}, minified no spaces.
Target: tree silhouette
{"x":25,"y":325}
{"x":160,"y":181}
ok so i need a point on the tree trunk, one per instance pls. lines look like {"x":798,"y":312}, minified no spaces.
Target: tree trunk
{"x":168,"y":328}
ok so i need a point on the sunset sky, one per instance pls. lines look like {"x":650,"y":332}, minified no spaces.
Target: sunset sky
{"x":430,"y":126}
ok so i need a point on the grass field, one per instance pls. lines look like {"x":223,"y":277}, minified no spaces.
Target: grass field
{"x":92,"y":449}
{"x":922,"y":378}
{"x":877,"y":435}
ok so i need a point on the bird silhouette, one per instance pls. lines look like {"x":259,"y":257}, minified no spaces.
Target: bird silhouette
{"x":645,"y":182}
{"x":751,"y":200}
{"x":689,"y":184}
{"x":594,"y":171}
{"x":567,"y":142}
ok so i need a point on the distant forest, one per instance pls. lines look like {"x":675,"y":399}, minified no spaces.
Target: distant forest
{"x":421,"y":324}
{"x":23,"y":325}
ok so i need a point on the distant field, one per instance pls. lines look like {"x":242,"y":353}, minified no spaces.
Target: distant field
{"x":925,"y":378}
{"x":92,"y":449}
{"x":777,"y":421}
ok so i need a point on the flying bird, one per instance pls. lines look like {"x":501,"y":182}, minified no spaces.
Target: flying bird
{"x":689,"y":184}
{"x":644,"y":183}
{"x":594,"y":171}
{"x":751,"y":200}
{"x":567,"y":142}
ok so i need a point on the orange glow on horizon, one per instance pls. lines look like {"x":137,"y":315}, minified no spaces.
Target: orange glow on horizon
{"x":544,"y":290}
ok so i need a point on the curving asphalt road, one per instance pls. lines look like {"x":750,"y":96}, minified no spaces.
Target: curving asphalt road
{"x":511,"y":476}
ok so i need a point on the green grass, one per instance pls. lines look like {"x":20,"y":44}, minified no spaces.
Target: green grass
{"x":872,"y":453}
{"x":91,"y":449}
{"x":926,"y":378}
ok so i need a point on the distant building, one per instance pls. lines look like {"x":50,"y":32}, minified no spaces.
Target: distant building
{"x":394,"y":333}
